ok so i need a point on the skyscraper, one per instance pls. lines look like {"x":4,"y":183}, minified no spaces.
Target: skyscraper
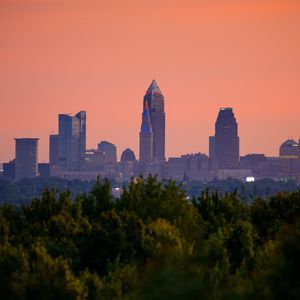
{"x":225,"y":143}
{"x":71,"y":140}
{"x":155,"y":100}
{"x":146,"y":137}
{"x":212,"y":147}
{"x":53,"y":150}
{"x":26,"y":163}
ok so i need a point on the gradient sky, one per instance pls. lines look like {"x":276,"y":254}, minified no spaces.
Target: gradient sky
{"x":62,"y":56}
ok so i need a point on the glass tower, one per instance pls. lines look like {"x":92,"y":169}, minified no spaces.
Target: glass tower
{"x":71,"y":140}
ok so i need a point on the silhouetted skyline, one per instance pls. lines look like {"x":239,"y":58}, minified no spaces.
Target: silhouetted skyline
{"x":67,"y":56}
{"x":70,"y":159}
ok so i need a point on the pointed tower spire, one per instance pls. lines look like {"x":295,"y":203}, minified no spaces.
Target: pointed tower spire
{"x":153,"y":88}
{"x":155,"y":101}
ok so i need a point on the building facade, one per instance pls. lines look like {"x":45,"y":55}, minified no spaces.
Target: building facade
{"x":109,"y":151}
{"x":289,"y":149}
{"x":71,"y":140}
{"x":194,"y":167}
{"x":225,"y":144}
{"x":146,"y":137}
{"x":26,"y":161}
{"x":155,"y":100}
{"x":240,"y":174}
{"x":53,"y":150}
{"x":128,"y":166}
{"x":9,"y":170}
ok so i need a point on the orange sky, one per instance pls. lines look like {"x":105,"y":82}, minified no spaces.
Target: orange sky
{"x":62,"y":56}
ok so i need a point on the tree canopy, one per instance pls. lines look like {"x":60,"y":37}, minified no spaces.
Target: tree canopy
{"x":153,"y":242}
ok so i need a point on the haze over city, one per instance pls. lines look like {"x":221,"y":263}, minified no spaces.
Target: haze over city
{"x":66,"y":56}
{"x":150,"y":149}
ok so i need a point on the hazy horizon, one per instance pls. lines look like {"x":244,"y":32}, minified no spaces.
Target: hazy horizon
{"x":66,"y":56}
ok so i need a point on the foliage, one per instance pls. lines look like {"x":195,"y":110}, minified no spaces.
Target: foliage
{"x":151,"y":243}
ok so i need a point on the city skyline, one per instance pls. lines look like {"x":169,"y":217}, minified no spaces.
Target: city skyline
{"x":67,"y":56}
{"x":70,"y":159}
{"x":154,"y":90}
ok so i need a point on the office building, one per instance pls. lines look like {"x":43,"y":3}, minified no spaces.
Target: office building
{"x":53,"y":150}
{"x":26,"y":162}
{"x":72,"y":140}
{"x":240,"y":174}
{"x":224,"y":146}
{"x":155,"y":100}
{"x":195,"y":166}
{"x":146,"y":137}
{"x":109,"y":151}
{"x":9,"y":170}
{"x":289,"y":149}
{"x":289,"y":156}
{"x":212,"y":147}
{"x":44,"y":170}
{"x":94,"y":160}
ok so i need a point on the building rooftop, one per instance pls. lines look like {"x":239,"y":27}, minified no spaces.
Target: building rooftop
{"x":226,"y":108}
{"x":27,"y":139}
{"x":128,"y":155}
{"x":289,"y":143}
{"x":153,"y":88}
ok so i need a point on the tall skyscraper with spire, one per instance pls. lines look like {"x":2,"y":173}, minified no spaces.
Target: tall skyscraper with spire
{"x":155,"y":101}
{"x":225,"y":145}
{"x":146,"y":137}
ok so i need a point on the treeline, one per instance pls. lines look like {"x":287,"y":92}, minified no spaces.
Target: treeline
{"x":151,"y":243}
{"x":263,"y":188}
{"x":22,"y":191}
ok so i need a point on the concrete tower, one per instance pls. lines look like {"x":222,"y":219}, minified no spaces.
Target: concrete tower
{"x":155,"y":100}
